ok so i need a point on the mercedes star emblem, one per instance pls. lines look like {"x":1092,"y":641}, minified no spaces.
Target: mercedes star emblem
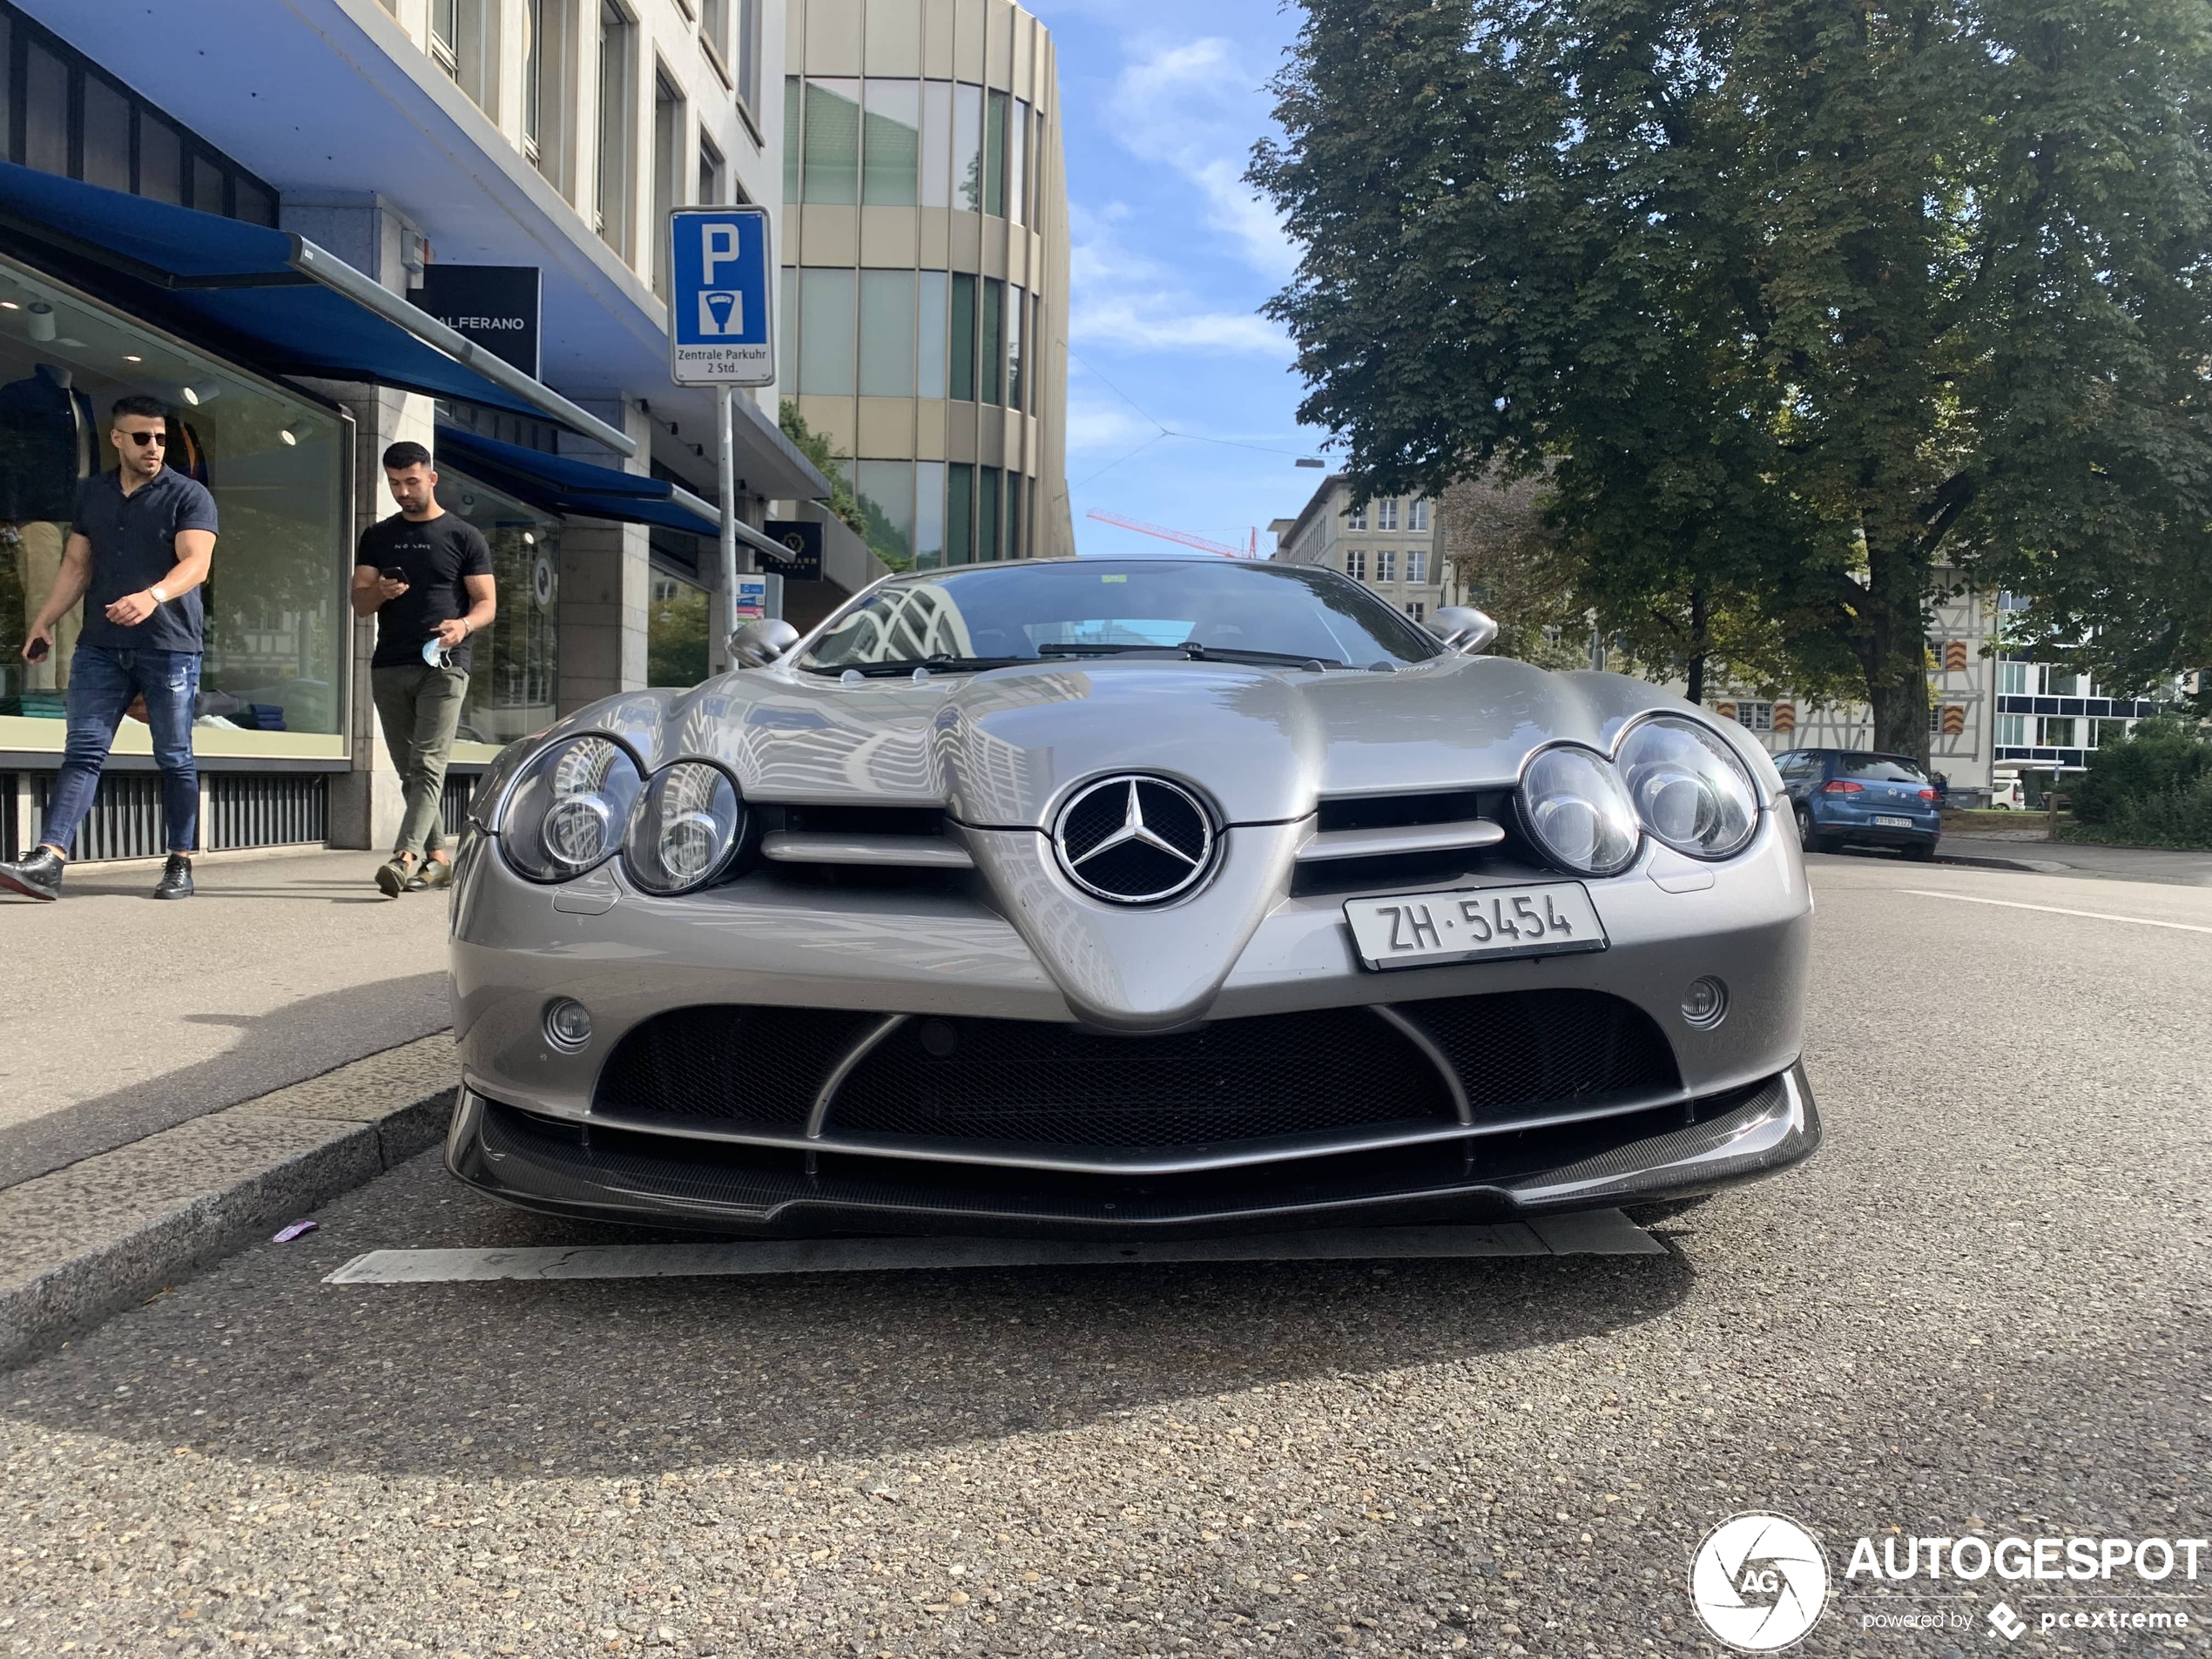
{"x":1135,"y":839}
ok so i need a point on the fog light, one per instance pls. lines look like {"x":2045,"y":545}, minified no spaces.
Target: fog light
{"x":567,"y":1024}
{"x":1705,"y":1003}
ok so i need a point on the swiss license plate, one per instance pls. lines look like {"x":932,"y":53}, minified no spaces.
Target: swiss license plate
{"x":1881,"y":822}
{"x":1416,"y":929}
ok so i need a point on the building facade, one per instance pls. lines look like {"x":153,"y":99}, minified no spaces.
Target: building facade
{"x":1390,"y":544}
{"x":235,"y":206}
{"x":924,"y":305}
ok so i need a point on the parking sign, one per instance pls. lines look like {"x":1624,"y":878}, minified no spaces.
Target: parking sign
{"x":721,"y":331}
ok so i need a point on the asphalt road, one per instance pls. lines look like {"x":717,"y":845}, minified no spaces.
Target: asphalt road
{"x":1982,"y":1309}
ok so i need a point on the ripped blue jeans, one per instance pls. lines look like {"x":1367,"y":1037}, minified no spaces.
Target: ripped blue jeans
{"x":102,"y":682}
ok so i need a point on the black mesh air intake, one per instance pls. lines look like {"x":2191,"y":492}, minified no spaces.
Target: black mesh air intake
{"x":1523,"y":1050}
{"x":755,"y":1065}
{"x":1059,"y":1085}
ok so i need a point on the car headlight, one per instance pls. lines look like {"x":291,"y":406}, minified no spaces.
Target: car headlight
{"x":685,"y":828}
{"x":1573,"y":806}
{"x":568,"y":809}
{"x":1690,"y":792}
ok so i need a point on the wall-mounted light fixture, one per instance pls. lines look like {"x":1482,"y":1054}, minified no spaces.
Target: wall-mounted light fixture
{"x":205,"y":392}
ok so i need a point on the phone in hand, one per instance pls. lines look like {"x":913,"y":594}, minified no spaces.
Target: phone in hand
{"x":392,"y":573}
{"x":40,"y":648}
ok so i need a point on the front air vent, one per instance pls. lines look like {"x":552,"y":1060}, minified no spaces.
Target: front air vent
{"x":1400,"y":812}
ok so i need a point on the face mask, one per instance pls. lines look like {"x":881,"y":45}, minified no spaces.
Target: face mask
{"x":435,"y":654}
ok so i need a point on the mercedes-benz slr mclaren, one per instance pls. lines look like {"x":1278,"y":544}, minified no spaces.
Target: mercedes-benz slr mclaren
{"x":1127,"y":897}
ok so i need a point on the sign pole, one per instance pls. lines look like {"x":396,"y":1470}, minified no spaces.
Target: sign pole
{"x":726,"y":425}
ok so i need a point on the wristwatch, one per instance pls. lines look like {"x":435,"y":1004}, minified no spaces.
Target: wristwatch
{"x":159,"y":597}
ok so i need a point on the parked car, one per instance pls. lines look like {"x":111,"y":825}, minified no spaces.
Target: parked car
{"x":1127,"y":897}
{"x":1852,"y":798}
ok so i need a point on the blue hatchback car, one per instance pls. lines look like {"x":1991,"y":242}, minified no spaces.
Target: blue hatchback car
{"x":1851,"y":798}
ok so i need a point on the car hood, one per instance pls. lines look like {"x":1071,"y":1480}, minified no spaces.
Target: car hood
{"x":1001,"y":749}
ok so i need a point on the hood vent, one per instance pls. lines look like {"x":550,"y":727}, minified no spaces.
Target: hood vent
{"x":912,"y":838}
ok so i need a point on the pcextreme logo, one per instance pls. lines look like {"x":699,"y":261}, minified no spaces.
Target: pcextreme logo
{"x":1759,"y":1582}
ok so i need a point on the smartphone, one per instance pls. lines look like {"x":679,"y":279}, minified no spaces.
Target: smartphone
{"x":392,"y":573}
{"x":39,"y":650}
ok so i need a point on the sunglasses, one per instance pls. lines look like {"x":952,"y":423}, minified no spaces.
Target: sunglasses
{"x":142,"y":439}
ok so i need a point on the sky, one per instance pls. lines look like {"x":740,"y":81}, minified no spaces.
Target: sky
{"x":1161,"y":102}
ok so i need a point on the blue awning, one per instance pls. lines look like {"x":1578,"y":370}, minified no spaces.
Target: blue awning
{"x":266,"y":298}
{"x":568,"y":487}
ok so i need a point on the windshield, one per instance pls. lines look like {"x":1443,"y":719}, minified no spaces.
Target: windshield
{"x":993,"y":615}
{"x":1883,"y":769}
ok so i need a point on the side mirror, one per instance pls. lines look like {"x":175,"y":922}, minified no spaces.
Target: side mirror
{"x":758,"y":643}
{"x":1464,"y":629}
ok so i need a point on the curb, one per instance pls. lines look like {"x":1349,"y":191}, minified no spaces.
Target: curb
{"x":1982,"y":862}
{"x":192,"y":1195}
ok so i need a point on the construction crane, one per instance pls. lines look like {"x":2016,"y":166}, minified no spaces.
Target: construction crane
{"x":1251,"y":550}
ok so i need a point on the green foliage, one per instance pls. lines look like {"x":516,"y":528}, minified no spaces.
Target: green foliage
{"x":2154,"y":787}
{"x":675,"y":638}
{"x":1796,"y":301}
{"x":831,"y":464}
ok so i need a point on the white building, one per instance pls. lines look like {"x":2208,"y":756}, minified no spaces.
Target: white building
{"x":1389,"y":543}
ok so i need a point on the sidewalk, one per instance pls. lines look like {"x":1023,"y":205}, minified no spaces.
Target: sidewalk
{"x":127,"y":1017}
{"x":2027,"y":848}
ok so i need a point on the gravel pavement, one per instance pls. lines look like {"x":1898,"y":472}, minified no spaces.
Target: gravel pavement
{"x":1982,"y":1308}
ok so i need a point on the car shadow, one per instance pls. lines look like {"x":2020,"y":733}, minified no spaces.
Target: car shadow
{"x":259,"y":1361}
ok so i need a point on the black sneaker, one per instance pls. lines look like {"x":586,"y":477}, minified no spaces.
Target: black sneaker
{"x":176,"y":878}
{"x":38,"y":876}
{"x":431,"y":874}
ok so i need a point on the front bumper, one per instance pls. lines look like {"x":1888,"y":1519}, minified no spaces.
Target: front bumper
{"x":599,"y":1172}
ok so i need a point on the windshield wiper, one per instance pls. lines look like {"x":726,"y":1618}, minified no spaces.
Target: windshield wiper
{"x":940,"y":664}
{"x":1190,"y":651}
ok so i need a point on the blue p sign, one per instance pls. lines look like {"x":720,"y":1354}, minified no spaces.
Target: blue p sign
{"x":721,"y":327}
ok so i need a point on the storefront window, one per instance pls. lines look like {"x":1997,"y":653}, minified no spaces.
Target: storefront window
{"x":514,"y":669}
{"x":675,"y":629}
{"x":273,"y":680}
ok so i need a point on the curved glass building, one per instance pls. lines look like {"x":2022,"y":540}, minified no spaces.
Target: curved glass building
{"x":924,"y":316}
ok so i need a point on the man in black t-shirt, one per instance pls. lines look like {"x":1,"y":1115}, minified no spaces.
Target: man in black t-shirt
{"x":427,"y":577}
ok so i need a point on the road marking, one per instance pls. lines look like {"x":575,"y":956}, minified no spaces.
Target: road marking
{"x":2056,"y":910}
{"x":1601,"y":1232}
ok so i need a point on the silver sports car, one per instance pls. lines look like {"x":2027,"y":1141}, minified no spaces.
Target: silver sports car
{"x":1124,"y":897}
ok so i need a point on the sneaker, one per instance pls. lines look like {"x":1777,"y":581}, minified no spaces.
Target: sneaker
{"x":38,"y":876}
{"x":176,"y":878}
{"x":431,"y":872}
{"x":393,"y":876}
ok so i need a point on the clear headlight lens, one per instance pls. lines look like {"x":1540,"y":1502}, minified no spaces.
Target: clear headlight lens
{"x":567,"y":811}
{"x":1574,"y":808}
{"x":685,"y":829}
{"x":1690,"y":792}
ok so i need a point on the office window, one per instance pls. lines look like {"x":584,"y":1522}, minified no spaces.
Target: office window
{"x":45,"y":108}
{"x":929,"y":514}
{"x":1416,"y":514}
{"x":612,"y":198}
{"x":791,"y":137}
{"x":2058,"y":733}
{"x":987,"y":515}
{"x":787,"y":329}
{"x":1355,"y":563}
{"x":960,"y":512}
{"x":1386,"y":514}
{"x":549,"y":80}
{"x":209,"y":192}
{"x":936,"y":143}
{"x":2013,"y":728}
{"x":930,"y":334}
{"x":991,"y":343}
{"x":963,"y":332}
{"x":891,"y":143}
{"x":1416,"y":610}
{"x":714,"y":29}
{"x":750,"y":54}
{"x":710,"y":173}
{"x":1015,"y":490}
{"x":2064,"y":682}
{"x":887,"y":334}
{"x":1416,"y":565}
{"x":1357,"y":520}
{"x":1385,"y":564}
{"x":1017,"y":164}
{"x":995,"y":153}
{"x":668,"y":170}
{"x":107,"y":135}
{"x":2012,"y":678}
{"x":1016,"y":381}
{"x":886,"y":489}
{"x":967,"y":147}
{"x":464,"y":41}
{"x":161,"y":161}
{"x":833,"y":141}
{"x":826,"y":333}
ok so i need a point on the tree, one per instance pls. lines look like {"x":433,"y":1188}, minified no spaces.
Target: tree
{"x":818,"y":447}
{"x":1802,"y":299}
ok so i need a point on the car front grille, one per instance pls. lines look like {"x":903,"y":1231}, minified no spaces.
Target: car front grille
{"x":1333,"y":1074}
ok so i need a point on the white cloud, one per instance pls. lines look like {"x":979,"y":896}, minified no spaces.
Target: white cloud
{"x":1105,"y":427}
{"x":1124,"y":298}
{"x":1196,"y":108}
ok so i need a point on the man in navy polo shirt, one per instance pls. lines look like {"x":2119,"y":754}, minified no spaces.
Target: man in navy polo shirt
{"x":140,"y":546}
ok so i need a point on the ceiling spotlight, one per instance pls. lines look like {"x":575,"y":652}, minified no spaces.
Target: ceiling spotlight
{"x":529,"y":540}
{"x":129,"y":359}
{"x":293,"y":434}
{"x":42,"y":320}
{"x":205,"y":392}
{"x":9,"y":305}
